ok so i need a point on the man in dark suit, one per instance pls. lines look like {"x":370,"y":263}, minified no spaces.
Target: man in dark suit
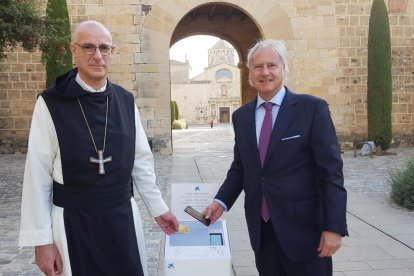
{"x":287,"y":160}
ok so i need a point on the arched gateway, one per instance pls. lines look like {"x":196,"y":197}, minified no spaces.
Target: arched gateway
{"x":240,"y":24}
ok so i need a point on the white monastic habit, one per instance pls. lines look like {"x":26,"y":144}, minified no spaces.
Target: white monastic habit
{"x":44,"y":224}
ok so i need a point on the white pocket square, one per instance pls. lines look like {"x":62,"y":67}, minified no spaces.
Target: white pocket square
{"x":290,"y":137}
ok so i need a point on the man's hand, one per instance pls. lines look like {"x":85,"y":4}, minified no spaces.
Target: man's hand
{"x":329,"y":244}
{"x":48,"y":259}
{"x":213,"y":212}
{"x":168,"y":223}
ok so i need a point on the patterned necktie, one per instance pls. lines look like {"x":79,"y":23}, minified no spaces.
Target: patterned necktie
{"x":263,"y":143}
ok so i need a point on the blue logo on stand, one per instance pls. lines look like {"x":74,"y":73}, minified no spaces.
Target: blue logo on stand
{"x":171,"y":266}
{"x":197,"y":188}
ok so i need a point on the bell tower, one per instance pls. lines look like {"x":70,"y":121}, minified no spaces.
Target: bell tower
{"x":221,"y":52}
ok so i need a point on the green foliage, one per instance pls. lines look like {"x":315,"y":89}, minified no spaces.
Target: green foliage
{"x":379,"y":77}
{"x":21,"y":22}
{"x":60,"y":61}
{"x":174,"y":111}
{"x":175,"y":123}
{"x":177,"y":112}
{"x":179,"y":124}
{"x":402,"y":184}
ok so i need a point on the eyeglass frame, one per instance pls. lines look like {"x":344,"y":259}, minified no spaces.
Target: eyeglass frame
{"x":84,"y":46}
{"x":270,"y":66}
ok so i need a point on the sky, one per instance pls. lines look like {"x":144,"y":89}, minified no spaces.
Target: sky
{"x":196,"y":48}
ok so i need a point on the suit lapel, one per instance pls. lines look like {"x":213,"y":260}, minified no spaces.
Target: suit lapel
{"x":284,"y":118}
{"x":248,"y":129}
{"x":251,"y":123}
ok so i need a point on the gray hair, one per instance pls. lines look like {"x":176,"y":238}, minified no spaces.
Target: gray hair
{"x":278,"y":47}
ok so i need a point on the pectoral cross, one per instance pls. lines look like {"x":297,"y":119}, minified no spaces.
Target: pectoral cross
{"x":101,"y":161}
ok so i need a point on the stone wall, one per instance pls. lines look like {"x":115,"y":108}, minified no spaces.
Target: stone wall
{"x":22,"y":77}
{"x":350,"y":98}
{"x":402,"y":42}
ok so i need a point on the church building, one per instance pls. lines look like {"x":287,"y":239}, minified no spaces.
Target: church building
{"x":213,"y":94}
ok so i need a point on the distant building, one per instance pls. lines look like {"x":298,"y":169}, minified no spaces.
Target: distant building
{"x":213,"y":94}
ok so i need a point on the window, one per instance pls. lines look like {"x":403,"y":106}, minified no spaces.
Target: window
{"x":224,"y":73}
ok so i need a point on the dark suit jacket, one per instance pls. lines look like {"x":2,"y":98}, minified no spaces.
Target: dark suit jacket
{"x":301,"y":178}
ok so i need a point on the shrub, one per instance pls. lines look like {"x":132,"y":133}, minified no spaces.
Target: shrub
{"x":402,"y":185}
{"x":174,"y":111}
{"x":177,"y":112}
{"x":179,"y":124}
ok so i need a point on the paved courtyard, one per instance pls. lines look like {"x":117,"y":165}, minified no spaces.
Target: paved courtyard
{"x":203,"y":154}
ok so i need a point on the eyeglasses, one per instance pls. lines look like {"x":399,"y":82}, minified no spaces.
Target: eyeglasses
{"x":261,"y":67}
{"x":90,"y":49}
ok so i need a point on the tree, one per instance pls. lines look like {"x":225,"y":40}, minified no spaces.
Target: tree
{"x":59,"y":61}
{"x":379,"y":77}
{"x":174,"y":111}
{"x":21,"y":22}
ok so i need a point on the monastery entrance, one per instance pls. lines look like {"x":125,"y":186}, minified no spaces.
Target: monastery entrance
{"x":224,"y":115}
{"x":241,"y":23}
{"x":227,"y":22}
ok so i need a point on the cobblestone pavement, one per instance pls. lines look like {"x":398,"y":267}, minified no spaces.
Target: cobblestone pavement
{"x":370,"y":176}
{"x":364,"y":175}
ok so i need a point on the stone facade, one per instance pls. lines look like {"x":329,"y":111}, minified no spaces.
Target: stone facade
{"x":211,"y":95}
{"x":351,"y":93}
{"x":22,"y":76}
{"x":326,"y":44}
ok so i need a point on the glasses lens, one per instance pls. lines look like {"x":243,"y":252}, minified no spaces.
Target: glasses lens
{"x":89,"y":49}
{"x":105,"y":49}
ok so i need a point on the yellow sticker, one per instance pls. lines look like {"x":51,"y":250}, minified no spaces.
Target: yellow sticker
{"x":183,"y":229}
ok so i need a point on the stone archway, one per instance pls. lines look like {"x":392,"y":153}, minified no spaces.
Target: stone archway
{"x":227,"y":22}
{"x":239,"y":22}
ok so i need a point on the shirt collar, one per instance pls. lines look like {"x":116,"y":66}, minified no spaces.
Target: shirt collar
{"x":88,"y":87}
{"x":277,"y":99}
